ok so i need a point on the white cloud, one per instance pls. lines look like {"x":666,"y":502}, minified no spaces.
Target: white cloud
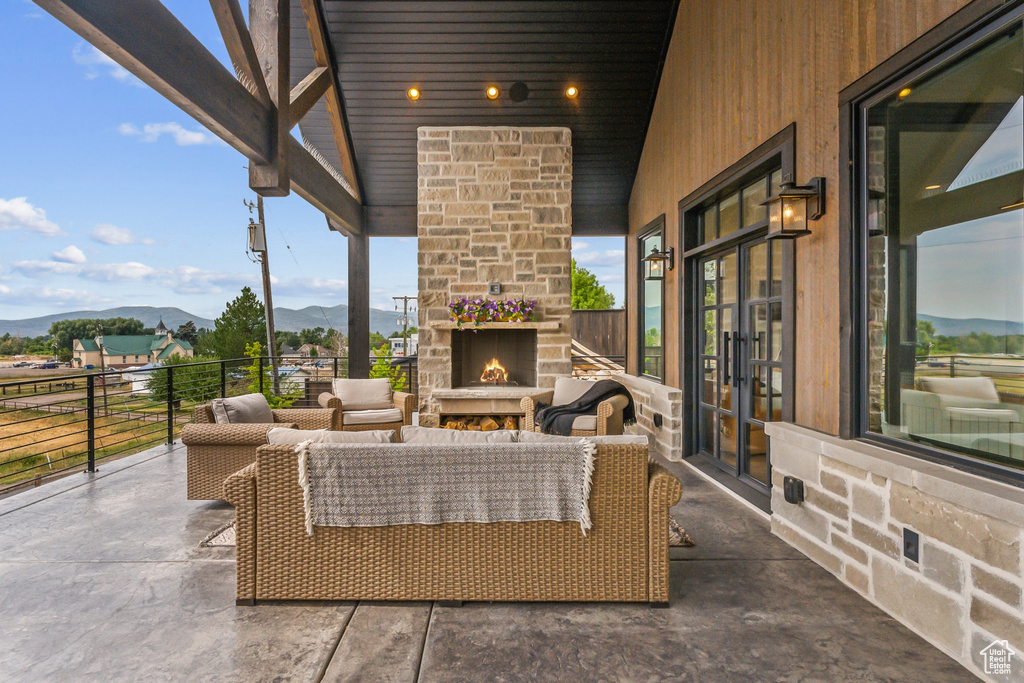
{"x":306,"y":285}
{"x":102,"y":272}
{"x":95,"y":61}
{"x":192,"y":280}
{"x":53,"y":296}
{"x":113,"y":235}
{"x":151,"y":132}
{"x":609,"y":258}
{"x":19,"y":214}
{"x":69,"y":254}
{"x":4,"y":289}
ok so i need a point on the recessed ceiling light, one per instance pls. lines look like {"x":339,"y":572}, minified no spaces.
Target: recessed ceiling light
{"x":905,"y":92}
{"x":493,"y":92}
{"x":413,"y":94}
{"x":572,"y":91}
{"x":932,"y":187}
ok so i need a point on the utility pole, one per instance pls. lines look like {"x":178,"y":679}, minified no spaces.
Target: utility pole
{"x":258,"y":245}
{"x":404,"y":320}
{"x":103,"y":367}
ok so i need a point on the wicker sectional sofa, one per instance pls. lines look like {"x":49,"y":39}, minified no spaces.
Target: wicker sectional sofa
{"x":624,"y":557}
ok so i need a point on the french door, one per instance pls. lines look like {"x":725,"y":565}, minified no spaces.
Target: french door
{"x":740,"y":384}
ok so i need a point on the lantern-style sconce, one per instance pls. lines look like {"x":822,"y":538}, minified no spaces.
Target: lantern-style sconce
{"x":793,"y":206}
{"x":658,"y":262}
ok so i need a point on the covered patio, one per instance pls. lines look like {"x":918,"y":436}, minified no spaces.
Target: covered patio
{"x":126,"y":593}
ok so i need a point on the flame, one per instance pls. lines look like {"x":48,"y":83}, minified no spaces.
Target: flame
{"x":493,"y":372}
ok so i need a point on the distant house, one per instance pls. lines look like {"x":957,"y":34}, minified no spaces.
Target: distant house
{"x":127,"y":350}
{"x":307,"y":351}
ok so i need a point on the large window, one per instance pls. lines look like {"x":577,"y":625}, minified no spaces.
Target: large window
{"x":941,"y":219}
{"x":652,"y":307}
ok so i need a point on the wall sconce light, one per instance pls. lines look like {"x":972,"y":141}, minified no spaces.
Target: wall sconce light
{"x":793,"y":206}
{"x":657,"y":262}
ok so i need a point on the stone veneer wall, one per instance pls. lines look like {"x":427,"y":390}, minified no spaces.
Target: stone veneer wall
{"x":494,"y":206}
{"x":967,"y":589}
{"x":651,"y":398}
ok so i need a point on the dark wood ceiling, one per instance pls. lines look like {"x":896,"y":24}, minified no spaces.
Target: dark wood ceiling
{"x":451,"y":51}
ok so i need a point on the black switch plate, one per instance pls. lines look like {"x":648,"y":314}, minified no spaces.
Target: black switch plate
{"x":658,"y":420}
{"x":911,"y":545}
{"x":793,"y":489}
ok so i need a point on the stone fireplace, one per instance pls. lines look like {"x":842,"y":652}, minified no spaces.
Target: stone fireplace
{"x":494,"y":212}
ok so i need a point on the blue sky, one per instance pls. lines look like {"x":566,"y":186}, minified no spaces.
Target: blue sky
{"x":110,"y":195}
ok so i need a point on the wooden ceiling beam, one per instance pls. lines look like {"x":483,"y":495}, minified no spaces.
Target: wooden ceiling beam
{"x":237,"y":40}
{"x":307,"y":92}
{"x":147,"y":40}
{"x":269,"y":26}
{"x":335,"y":106}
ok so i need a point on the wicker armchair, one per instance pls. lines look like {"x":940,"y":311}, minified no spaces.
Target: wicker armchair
{"x":403,"y":401}
{"x":608,"y":421}
{"x":216,"y":450}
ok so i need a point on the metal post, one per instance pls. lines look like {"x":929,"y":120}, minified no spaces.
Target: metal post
{"x":261,"y":374}
{"x":223,"y":381}
{"x":335,"y":367}
{"x":170,"y":405}
{"x":90,"y":403}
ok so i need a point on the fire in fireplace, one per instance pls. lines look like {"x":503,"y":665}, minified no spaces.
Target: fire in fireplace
{"x":493,"y":372}
{"x":493,"y":358}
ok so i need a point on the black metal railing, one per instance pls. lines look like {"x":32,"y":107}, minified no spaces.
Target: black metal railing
{"x":57,"y":425}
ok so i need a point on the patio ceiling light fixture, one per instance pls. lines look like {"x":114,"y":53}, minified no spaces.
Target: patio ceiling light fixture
{"x":571,"y":92}
{"x":657,"y":262}
{"x":493,"y":92}
{"x":793,"y":206}
{"x":413,"y":94}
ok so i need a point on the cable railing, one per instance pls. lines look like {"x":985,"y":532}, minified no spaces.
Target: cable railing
{"x":59,"y":425}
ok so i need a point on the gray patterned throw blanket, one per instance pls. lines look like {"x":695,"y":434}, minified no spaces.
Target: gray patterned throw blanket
{"x":388,"y":484}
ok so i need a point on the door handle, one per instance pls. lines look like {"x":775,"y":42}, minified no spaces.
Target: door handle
{"x":737,"y":365}
{"x":726,"y":378}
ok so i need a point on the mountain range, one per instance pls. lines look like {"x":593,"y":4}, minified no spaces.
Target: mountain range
{"x":287,"y":319}
{"x":958,"y":327}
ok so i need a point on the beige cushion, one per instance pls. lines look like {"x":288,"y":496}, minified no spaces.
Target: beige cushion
{"x":423,"y":435}
{"x":979,"y":415}
{"x":568,"y":389}
{"x":982,"y":388}
{"x":585,"y":422}
{"x":247,"y":409}
{"x":365,"y":417}
{"x":282,"y":435}
{"x":621,"y":440}
{"x":363,"y":394}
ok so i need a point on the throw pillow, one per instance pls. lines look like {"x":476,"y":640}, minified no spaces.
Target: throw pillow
{"x":283,"y":435}
{"x":424,"y":435}
{"x":363,"y":394}
{"x":247,"y":409}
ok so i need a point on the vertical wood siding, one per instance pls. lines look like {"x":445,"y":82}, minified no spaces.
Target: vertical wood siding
{"x":738,"y":72}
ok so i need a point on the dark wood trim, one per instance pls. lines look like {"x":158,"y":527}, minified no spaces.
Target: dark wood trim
{"x":319,"y":187}
{"x":270,"y":28}
{"x":652,"y":228}
{"x":306,"y":93}
{"x":390,"y":221}
{"x":358,"y":306}
{"x":604,"y":219}
{"x":850,"y":380}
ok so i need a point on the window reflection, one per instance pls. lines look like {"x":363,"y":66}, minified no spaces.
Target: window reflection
{"x":945,"y":266}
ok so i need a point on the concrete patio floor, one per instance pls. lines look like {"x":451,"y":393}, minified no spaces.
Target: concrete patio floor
{"x":102,"y":578}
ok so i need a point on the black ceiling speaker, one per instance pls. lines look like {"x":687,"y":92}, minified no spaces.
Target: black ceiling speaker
{"x":519,"y":92}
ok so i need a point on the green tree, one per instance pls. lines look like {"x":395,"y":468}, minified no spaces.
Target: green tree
{"x":925,"y":337}
{"x":397,"y":334}
{"x":286,"y":338}
{"x":383,"y":369}
{"x":252,"y":372}
{"x":194,"y":381}
{"x":188,"y":332}
{"x":67,"y":331}
{"x":587,"y":292}
{"x":376,"y":339}
{"x":242,"y":322}
{"x":313,"y":336}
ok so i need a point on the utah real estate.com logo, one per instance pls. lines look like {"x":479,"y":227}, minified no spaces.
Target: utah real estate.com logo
{"x":997,"y":658}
